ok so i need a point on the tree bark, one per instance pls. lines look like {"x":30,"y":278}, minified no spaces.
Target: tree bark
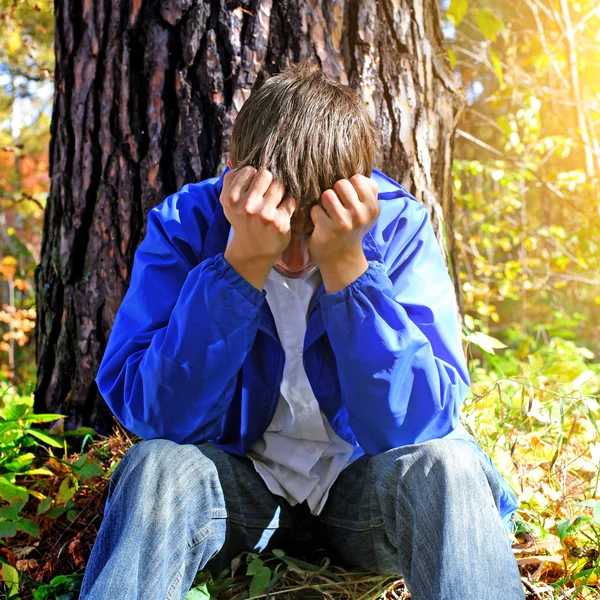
{"x":146,"y":95}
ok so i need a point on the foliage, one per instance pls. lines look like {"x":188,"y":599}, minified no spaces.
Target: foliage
{"x":36,"y":486}
{"x":535,"y":413}
{"x":275,"y":574}
{"x":26,"y":65}
{"x":17,"y":437}
{"x":526,"y":182}
{"x":527,"y":166}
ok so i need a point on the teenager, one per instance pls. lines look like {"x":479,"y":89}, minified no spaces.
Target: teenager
{"x":288,"y":349}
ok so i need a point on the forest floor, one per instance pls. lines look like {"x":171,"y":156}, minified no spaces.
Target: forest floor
{"x":51,"y":566}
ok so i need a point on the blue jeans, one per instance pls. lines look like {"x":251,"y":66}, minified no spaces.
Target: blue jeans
{"x":426,"y":512}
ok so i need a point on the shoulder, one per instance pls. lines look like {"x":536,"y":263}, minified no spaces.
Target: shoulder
{"x":183,"y":218}
{"x":200,"y":198}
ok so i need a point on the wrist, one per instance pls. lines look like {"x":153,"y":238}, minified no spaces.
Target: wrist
{"x":339,"y":272}
{"x":254,"y":270}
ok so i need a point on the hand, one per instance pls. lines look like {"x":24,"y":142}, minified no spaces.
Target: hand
{"x":255,"y":206}
{"x":346,"y":213}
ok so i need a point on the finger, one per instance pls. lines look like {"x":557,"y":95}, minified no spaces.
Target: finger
{"x":369,"y":195}
{"x":346,"y":193}
{"x":287,"y":206}
{"x":349,"y":192}
{"x":366,"y":188}
{"x":320,"y":218}
{"x":284,"y":212}
{"x":238,"y":183}
{"x":244,"y":178}
{"x":273,"y":196}
{"x":259,"y":185}
{"x":336,"y":212}
{"x":367,"y":205}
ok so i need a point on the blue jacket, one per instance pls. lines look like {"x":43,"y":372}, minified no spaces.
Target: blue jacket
{"x":194,"y":356}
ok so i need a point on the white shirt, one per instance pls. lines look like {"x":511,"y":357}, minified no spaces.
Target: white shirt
{"x":299,"y":456}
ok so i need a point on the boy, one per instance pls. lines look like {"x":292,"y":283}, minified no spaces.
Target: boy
{"x":289,"y":351}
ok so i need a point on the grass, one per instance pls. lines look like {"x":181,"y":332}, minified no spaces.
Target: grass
{"x":535,"y":415}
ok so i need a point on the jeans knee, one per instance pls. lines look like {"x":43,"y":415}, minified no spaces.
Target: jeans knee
{"x":159,"y":469}
{"x":456,"y":459}
{"x":436,"y":463}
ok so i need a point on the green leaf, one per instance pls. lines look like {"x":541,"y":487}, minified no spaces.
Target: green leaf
{"x":457,"y":11}
{"x":260,"y":582}
{"x":4,"y":427}
{"x":7,"y":528}
{"x":295,"y":564}
{"x":64,"y":581}
{"x":489,"y":24}
{"x":80,"y":431}
{"x":9,"y":491}
{"x":67,"y":489}
{"x":198,"y":593}
{"x":44,"y":505}
{"x":43,"y":418}
{"x":79,"y":462}
{"x":28,"y":526}
{"x":39,"y":471}
{"x":564,"y":528}
{"x":595,"y":505}
{"x":451,"y":58}
{"x":20,"y":462}
{"x":44,"y":437}
{"x":56,"y":511}
{"x":254,"y":567}
{"x":497,"y":66}
{"x":485,"y":342}
{"x":15,"y":412}
{"x":12,"y":510}
{"x":278,"y":553}
{"x":90,"y":469}
{"x":11,"y":577}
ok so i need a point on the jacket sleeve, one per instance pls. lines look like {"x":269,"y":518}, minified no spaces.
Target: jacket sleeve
{"x":181,"y":333}
{"x":395,"y":335}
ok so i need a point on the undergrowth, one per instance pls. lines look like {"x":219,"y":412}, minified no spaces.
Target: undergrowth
{"x":534,"y":412}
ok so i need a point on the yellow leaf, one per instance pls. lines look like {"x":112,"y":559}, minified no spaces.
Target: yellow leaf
{"x":67,"y":489}
{"x":500,"y":75}
{"x":11,"y":577}
{"x":489,"y":24}
{"x":485,"y":342}
{"x":13,"y":41}
{"x":457,"y":11}
{"x":451,"y":58}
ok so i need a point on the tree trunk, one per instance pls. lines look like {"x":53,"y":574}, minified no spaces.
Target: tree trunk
{"x":146,"y":95}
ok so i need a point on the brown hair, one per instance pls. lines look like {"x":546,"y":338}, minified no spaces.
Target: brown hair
{"x":308,"y":129}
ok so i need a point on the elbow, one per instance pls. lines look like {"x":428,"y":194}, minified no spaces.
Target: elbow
{"x":116,"y":383}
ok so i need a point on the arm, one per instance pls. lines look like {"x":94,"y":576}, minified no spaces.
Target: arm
{"x":395,"y":336}
{"x":181,"y":334}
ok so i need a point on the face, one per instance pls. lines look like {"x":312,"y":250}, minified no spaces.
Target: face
{"x":295,"y":261}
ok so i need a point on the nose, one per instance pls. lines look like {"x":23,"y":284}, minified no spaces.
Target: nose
{"x":296,"y":255}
